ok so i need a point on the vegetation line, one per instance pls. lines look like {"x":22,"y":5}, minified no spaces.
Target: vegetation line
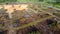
{"x":48,"y":13}
{"x":32,"y":23}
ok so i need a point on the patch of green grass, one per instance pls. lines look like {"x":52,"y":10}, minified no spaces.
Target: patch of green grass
{"x":27,"y":1}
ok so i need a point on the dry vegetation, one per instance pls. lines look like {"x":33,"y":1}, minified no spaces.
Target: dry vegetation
{"x":28,"y":20}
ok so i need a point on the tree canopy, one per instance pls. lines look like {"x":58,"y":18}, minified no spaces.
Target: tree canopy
{"x":2,"y":1}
